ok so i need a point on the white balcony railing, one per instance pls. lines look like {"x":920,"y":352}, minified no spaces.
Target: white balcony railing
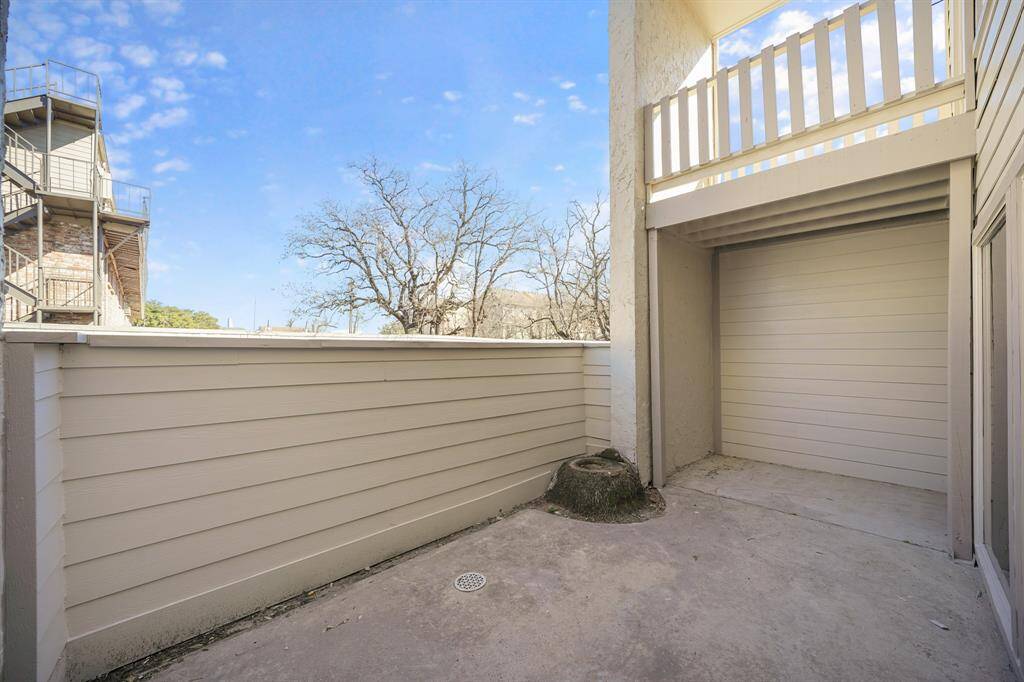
{"x":53,"y":78}
{"x":690,"y":136}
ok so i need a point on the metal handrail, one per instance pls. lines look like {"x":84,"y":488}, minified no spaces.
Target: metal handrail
{"x":22,"y":154}
{"x":20,"y":269}
{"x":66,"y":288}
{"x":53,"y":78}
{"x":124,"y":198}
{"x":68,"y":175}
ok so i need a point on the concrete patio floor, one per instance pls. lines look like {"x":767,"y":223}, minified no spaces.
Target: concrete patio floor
{"x":749,"y":584}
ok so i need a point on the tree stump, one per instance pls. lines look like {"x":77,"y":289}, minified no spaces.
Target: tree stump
{"x":598,"y":485}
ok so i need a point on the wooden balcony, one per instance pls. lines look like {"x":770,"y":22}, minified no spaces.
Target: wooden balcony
{"x":722,"y":129}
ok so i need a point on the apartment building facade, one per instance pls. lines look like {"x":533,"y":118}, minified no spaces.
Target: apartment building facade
{"x":75,"y":238}
{"x":817,"y":253}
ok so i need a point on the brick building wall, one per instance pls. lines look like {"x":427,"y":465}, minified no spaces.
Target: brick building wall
{"x":67,"y":246}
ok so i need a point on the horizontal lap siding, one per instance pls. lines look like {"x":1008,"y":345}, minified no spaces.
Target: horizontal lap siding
{"x":1000,"y":100}
{"x":51,"y":633}
{"x":202,"y":484}
{"x":597,"y":396}
{"x":833,"y":354}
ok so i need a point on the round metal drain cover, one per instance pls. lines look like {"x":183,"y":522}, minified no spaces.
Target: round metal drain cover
{"x":470,"y":582}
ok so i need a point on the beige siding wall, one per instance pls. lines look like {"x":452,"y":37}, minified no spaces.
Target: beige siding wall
{"x":72,"y":148}
{"x":66,"y":139}
{"x":200,"y":484}
{"x":596,"y":380}
{"x":50,"y":622}
{"x":999,"y":50}
{"x":833,"y":354}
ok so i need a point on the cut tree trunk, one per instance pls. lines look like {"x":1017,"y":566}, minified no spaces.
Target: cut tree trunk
{"x":597,"y":485}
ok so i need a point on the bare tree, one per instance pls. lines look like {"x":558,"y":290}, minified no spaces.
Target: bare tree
{"x":427,"y":257}
{"x":570,"y":265}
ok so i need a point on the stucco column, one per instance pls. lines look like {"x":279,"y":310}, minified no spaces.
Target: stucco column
{"x":653,"y":46}
{"x":630,"y":373}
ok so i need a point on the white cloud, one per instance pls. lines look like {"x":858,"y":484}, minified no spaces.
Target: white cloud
{"x":188,"y":52}
{"x":601,"y":78}
{"x":408,"y":100}
{"x":383,"y":76}
{"x":215,"y":59}
{"x":157,"y":267}
{"x":48,"y":24}
{"x":162,"y":152}
{"x":558,"y":168}
{"x":139,"y":55}
{"x":567,"y":85}
{"x":168,"y":89}
{"x":169,"y":118}
{"x":452,"y":95}
{"x":736,"y":45}
{"x":177,"y":164}
{"x":85,"y":48}
{"x":527,"y":119}
{"x":521,"y":96}
{"x":313,"y":131}
{"x":540,"y":102}
{"x":119,"y":14}
{"x":490,"y":108}
{"x":185,"y":57}
{"x":204,"y":140}
{"x":127,"y":106}
{"x":156,"y":121}
{"x":120,"y":162}
{"x":430,"y":166}
{"x":786,"y":24}
{"x":162,"y":10}
{"x":236,"y":133}
{"x":576,"y":104}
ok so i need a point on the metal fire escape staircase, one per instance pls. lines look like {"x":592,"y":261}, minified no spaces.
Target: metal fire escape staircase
{"x":22,"y":176}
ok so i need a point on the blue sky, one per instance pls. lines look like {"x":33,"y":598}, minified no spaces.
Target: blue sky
{"x":241,"y":116}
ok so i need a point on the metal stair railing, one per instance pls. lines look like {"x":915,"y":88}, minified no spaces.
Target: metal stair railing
{"x":66,"y":288}
{"x":20,"y":270}
{"x":22,"y":154}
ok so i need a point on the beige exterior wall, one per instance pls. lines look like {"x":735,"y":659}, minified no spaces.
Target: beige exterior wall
{"x":653,"y":46}
{"x":67,"y":139}
{"x":596,"y":396}
{"x":833,"y":353}
{"x":72,"y":148}
{"x":999,"y":50}
{"x":999,"y":166}
{"x":51,"y":627}
{"x":35,"y":628}
{"x":687,"y":355}
{"x":203,"y":483}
